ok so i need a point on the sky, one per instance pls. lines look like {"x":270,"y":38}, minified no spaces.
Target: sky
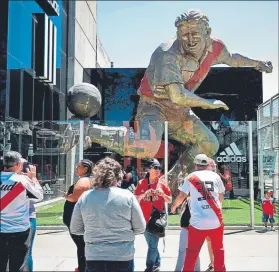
{"x":131,"y":30}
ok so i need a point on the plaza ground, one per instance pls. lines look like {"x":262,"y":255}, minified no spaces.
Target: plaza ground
{"x":235,"y":212}
{"x":244,"y":251}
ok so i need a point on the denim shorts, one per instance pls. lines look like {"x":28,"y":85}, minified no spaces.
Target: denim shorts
{"x":266,"y":217}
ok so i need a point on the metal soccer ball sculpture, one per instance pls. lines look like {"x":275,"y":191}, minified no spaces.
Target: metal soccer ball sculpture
{"x":84,"y":100}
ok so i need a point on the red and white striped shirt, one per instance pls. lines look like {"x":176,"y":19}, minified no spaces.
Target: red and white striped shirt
{"x":15,"y":193}
{"x":204,"y":188}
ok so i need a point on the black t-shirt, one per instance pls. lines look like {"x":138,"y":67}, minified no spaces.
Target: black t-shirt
{"x":68,"y":208}
{"x":185,"y":218}
{"x":126,"y":184}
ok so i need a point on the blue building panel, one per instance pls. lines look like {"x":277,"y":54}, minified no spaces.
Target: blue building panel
{"x":20,"y":33}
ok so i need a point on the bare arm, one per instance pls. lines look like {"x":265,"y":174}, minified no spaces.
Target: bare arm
{"x":164,"y":191}
{"x":221,"y":188}
{"x":178,"y":201}
{"x":82,"y":185}
{"x":237,"y":60}
{"x":221,"y":197}
{"x":274,"y":208}
{"x":167,"y":198}
{"x":183,"y":97}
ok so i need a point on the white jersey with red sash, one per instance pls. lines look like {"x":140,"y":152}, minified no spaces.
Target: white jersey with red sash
{"x":15,"y":194}
{"x":204,"y":188}
{"x":196,"y":78}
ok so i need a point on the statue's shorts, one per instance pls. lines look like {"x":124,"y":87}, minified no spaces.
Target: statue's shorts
{"x":183,"y":125}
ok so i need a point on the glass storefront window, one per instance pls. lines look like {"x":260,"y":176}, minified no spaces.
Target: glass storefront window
{"x":276,"y":135}
{"x":264,"y":115}
{"x":40,"y":143}
{"x":275,"y":110}
{"x":265,"y":137}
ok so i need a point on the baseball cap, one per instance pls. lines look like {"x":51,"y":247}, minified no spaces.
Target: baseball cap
{"x":201,"y":159}
{"x":153,"y":163}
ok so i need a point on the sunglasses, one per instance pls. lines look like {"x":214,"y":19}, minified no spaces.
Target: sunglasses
{"x":155,"y":167}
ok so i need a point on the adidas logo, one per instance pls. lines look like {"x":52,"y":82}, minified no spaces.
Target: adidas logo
{"x":47,"y":189}
{"x":231,"y":154}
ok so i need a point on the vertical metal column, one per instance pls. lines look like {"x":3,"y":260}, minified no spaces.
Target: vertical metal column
{"x":261,"y":156}
{"x":251,"y":175}
{"x":166,"y":139}
{"x":271,"y":139}
{"x":20,"y":110}
{"x":259,"y":149}
{"x":166,"y":157}
{"x":81,"y":139}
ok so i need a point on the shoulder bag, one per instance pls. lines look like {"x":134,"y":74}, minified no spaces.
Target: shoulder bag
{"x":158,"y":220}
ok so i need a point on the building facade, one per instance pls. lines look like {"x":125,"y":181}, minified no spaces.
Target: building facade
{"x":47,"y":46}
{"x":88,"y":53}
{"x":37,"y":82}
{"x":268,"y":141}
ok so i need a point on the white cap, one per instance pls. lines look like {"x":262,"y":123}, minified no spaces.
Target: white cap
{"x":201,"y":159}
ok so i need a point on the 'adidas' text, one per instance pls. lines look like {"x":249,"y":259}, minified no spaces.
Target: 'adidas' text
{"x":232,"y":159}
{"x":231,"y":154}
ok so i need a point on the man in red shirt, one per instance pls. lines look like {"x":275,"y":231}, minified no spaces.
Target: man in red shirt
{"x":152,"y":192}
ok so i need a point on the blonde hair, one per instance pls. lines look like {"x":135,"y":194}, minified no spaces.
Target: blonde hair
{"x":106,"y":173}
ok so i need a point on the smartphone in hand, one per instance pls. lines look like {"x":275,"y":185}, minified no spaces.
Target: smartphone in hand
{"x":26,"y":165}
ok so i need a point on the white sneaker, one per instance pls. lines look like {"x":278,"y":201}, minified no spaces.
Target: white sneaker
{"x":272,"y":229}
{"x":265,"y":229}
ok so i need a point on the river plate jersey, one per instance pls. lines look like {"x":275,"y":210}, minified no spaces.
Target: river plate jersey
{"x":204,"y":188}
{"x":15,"y":194}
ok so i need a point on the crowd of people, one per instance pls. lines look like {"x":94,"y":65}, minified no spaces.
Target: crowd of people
{"x":104,"y":214}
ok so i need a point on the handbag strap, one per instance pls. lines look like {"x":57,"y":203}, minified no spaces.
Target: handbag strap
{"x":149,"y":187}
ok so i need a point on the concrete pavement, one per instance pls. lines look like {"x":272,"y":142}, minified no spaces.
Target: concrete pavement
{"x":245,"y":251}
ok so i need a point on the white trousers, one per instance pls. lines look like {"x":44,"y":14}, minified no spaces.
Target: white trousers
{"x":183,"y":243}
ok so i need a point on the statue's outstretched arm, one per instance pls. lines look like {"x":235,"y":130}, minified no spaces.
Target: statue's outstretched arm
{"x":237,"y":60}
{"x":183,"y":97}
